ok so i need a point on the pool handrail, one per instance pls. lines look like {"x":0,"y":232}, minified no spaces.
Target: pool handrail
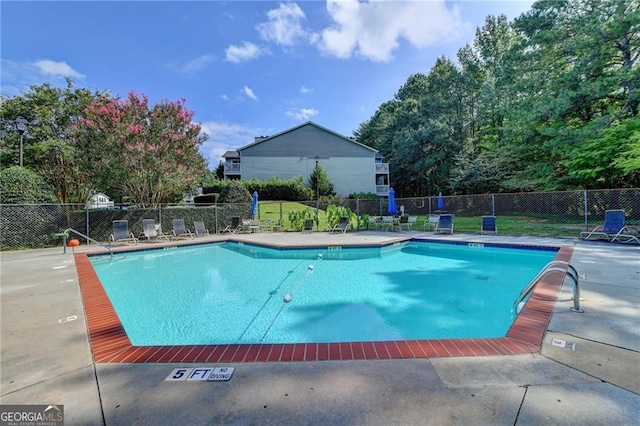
{"x":570,"y":271}
{"x":65,"y":234}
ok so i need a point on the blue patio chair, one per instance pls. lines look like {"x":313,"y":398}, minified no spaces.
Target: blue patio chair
{"x":489,"y":225}
{"x":445,"y":224}
{"x":613,"y":227}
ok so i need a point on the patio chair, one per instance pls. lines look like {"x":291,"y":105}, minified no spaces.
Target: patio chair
{"x":445,"y":224}
{"x":489,"y":225}
{"x":276,"y":225}
{"x":236,"y":225}
{"x":266,"y":225}
{"x":612,"y":228}
{"x":431,"y":222}
{"x":121,"y":233}
{"x":199,"y":229}
{"x":413,"y":220}
{"x":308,"y":225}
{"x":253,"y":225}
{"x":179,"y":229}
{"x":626,"y":238}
{"x":388,"y":222}
{"x":403,"y":222}
{"x":151,"y":231}
{"x":342,"y":226}
{"x":375,"y":222}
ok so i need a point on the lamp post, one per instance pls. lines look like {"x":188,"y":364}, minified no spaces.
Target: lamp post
{"x":21,"y":126}
{"x":317,"y":196}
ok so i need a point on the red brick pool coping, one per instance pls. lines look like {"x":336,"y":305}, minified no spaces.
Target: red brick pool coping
{"x":110,"y":343}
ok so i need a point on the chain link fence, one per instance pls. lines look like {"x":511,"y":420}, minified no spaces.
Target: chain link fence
{"x":564,"y":213}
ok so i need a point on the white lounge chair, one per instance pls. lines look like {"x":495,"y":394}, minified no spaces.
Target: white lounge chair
{"x":151,"y":231}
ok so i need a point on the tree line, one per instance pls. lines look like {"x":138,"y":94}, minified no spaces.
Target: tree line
{"x":546,"y":102}
{"x":79,"y":141}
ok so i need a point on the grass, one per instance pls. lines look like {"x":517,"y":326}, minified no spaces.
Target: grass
{"x":280,"y":209}
{"x":507,"y":225}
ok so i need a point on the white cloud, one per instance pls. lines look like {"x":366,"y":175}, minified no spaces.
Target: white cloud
{"x":247,"y":91}
{"x":196,"y":64}
{"x":304,"y":90}
{"x":302,"y":114}
{"x":373,"y":30}
{"x":225,"y":137}
{"x":284,"y":25}
{"x":224,"y":97}
{"x":57,"y":69}
{"x":243,"y":53}
{"x":16,"y":77}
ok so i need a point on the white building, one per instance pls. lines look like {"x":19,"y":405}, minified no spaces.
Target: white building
{"x":350,"y":166}
{"x":99,"y":200}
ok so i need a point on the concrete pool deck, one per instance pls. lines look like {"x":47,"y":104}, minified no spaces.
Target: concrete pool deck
{"x":46,"y":358}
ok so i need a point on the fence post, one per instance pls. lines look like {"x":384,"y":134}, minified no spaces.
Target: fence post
{"x":215,"y":215}
{"x":493,"y":204}
{"x":86,"y":209}
{"x":586,"y":211}
{"x":358,"y":212}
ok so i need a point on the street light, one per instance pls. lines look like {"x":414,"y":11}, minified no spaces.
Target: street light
{"x":317,"y":196}
{"x":21,"y":126}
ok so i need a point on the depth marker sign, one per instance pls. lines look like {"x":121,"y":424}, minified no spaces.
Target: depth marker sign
{"x":201,"y":374}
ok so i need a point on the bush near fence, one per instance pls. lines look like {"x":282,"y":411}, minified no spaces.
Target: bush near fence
{"x":24,"y":226}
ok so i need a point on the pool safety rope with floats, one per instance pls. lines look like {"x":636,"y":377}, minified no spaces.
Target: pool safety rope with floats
{"x":289,"y":296}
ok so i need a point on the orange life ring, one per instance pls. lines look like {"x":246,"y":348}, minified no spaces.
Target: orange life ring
{"x":73,"y":243}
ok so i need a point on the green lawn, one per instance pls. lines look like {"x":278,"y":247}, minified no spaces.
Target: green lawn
{"x":275,"y":210}
{"x":507,"y":225}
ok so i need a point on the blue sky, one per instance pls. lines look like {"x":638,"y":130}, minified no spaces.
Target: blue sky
{"x":247,"y":68}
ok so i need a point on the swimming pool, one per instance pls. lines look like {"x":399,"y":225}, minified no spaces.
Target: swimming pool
{"x":384,"y":293}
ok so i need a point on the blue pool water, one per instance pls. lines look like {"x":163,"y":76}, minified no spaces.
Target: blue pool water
{"x":233,"y":293}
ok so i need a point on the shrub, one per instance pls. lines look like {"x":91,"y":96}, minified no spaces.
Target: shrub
{"x":235,"y":193}
{"x":215,"y":186}
{"x":319,"y":180}
{"x":334,"y":213}
{"x":19,"y":185}
{"x":278,"y":189}
{"x":363,"y":196}
{"x":206,"y":199}
{"x":297,"y":218}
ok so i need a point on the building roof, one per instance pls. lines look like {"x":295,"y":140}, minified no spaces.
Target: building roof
{"x":231,"y":154}
{"x":267,"y":138}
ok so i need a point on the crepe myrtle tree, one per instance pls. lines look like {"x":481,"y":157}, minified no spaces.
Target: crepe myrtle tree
{"x":146,"y":153}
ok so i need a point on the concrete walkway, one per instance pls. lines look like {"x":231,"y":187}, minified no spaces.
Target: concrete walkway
{"x":46,"y":359}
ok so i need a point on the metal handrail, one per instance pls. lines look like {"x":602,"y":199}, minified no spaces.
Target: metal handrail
{"x":570,"y":272}
{"x":64,"y":240}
